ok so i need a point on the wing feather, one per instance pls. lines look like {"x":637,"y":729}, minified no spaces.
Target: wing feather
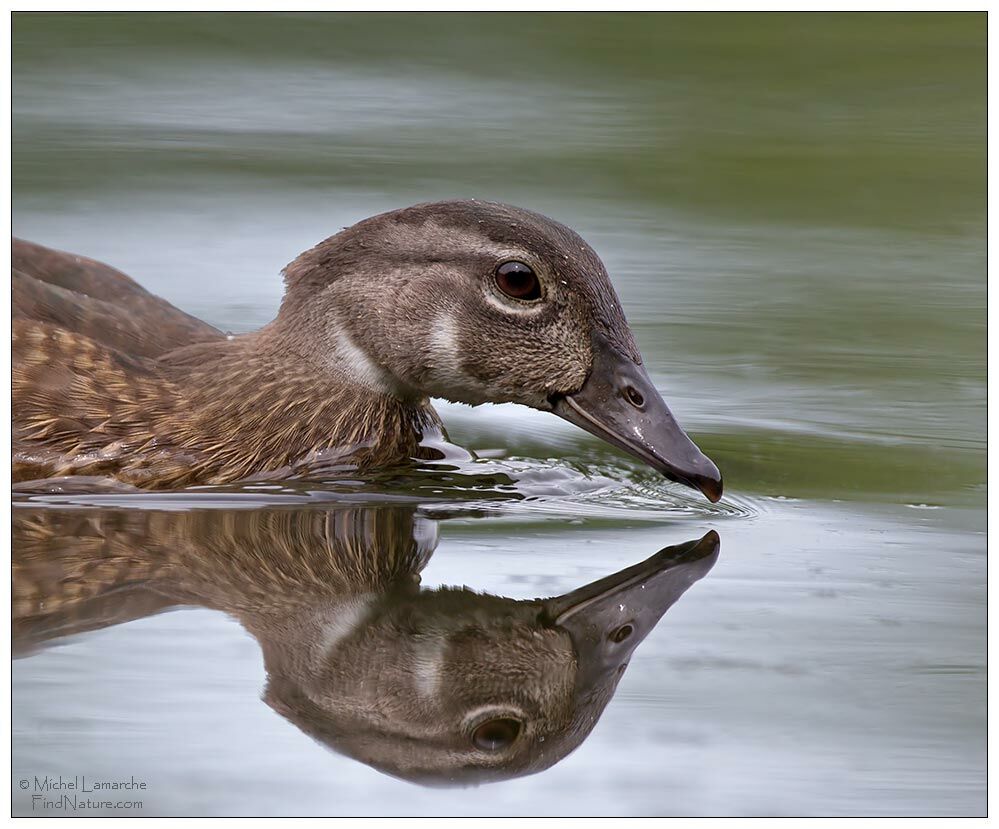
{"x":94,"y":300}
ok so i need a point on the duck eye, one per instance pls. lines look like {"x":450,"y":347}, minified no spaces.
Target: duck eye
{"x":518,"y":281}
{"x":496,"y":734}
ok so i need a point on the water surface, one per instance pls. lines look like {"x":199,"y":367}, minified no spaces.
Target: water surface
{"x":792,"y":209}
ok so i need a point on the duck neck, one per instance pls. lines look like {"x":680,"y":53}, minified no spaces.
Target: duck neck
{"x":271,"y":408}
{"x":324,"y":339}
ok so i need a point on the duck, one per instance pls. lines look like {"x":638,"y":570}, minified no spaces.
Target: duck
{"x":466,"y":300}
{"x":438,"y":686}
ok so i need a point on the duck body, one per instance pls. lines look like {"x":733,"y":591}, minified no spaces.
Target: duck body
{"x":188,"y":405}
{"x":471,"y":301}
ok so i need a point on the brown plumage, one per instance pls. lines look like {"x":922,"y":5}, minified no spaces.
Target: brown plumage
{"x":111,"y":381}
{"x":74,"y":570}
{"x":358,"y":655}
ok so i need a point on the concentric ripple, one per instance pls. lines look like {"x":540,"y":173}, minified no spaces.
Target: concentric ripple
{"x":613,"y":490}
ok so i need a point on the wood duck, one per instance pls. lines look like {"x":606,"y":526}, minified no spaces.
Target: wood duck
{"x":470,"y":301}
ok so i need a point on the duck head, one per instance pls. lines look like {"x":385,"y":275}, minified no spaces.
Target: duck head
{"x":454,"y":687}
{"x":481,"y":302}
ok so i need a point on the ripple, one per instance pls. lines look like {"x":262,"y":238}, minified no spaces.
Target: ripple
{"x":514,"y":487}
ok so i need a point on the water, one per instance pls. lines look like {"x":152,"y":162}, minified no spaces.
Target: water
{"x":792,"y":209}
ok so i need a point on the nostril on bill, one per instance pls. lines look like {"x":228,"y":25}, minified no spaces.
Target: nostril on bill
{"x":634,"y":397}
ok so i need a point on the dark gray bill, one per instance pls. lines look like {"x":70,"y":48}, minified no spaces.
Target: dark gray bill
{"x":619,"y":404}
{"x":609,"y":618}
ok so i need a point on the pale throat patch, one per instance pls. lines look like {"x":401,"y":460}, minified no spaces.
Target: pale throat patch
{"x":449,"y":379}
{"x":353,"y":361}
{"x":445,"y":349}
{"x":343,"y":621}
{"x":428,"y":662}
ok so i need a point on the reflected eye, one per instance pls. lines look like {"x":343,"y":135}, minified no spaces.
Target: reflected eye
{"x":518,"y":281}
{"x":497,"y":734}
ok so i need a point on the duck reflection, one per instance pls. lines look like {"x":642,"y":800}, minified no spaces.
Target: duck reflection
{"x":437,"y":686}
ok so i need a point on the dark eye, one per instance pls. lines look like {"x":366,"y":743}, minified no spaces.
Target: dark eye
{"x":497,"y":734}
{"x":517,"y":280}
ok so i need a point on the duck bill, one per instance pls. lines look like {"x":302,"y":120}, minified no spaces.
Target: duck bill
{"x":619,"y":404}
{"x":609,"y":618}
